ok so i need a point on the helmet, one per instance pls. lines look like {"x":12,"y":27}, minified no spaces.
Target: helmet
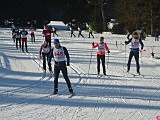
{"x":56,"y":41}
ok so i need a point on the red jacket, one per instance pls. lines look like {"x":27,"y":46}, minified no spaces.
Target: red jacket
{"x":101,"y":48}
{"x":47,"y":34}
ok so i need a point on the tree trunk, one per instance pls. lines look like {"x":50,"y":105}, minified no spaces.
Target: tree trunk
{"x":104,"y":18}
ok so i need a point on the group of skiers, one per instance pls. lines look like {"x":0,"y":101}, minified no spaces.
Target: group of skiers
{"x":80,"y":32}
{"x":134,"y":51}
{"x":20,"y":37}
{"x":61,"y":56}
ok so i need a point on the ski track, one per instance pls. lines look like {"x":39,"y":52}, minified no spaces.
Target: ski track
{"x":83,"y":79}
{"x":26,"y":88}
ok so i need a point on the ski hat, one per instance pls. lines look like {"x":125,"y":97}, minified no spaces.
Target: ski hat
{"x":135,"y":33}
{"x":56,"y":41}
{"x":101,"y":38}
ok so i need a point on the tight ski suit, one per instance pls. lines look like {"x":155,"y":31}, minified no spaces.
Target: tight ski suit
{"x":101,"y":48}
{"x":43,"y":53}
{"x":32,"y":30}
{"x":134,"y":51}
{"x":60,"y":54}
{"x":24,"y":34}
{"x":47,"y":34}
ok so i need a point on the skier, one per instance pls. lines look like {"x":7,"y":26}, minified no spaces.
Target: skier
{"x":80,"y":32}
{"x":44,"y":52}
{"x":14,"y":32}
{"x":60,"y":53}
{"x":32,"y":30}
{"x":72,"y":32}
{"x":156,"y":35}
{"x":135,"y":41}
{"x":55,"y":32}
{"x":13,"y":27}
{"x":47,"y":34}
{"x":143,"y":34}
{"x":24,"y":34}
{"x":101,"y":48}
{"x":90,"y":31}
{"x":18,"y":39}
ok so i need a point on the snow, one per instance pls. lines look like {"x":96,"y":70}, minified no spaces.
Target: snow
{"x":59,"y":25}
{"x":24,"y":91}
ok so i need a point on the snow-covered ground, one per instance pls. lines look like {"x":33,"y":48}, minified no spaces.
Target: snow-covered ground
{"x":24,"y":92}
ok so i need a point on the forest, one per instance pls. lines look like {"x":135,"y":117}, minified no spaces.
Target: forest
{"x":132,"y":14}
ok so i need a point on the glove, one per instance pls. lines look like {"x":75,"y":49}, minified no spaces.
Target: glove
{"x":93,"y":44}
{"x":40,"y":56}
{"x":141,"y":48}
{"x":108,"y":51}
{"x":68,"y":64}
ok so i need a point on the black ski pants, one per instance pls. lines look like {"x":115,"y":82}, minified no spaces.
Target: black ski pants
{"x":90,"y":33}
{"x":18,"y":40}
{"x":61,"y":66}
{"x":72,"y":34}
{"x":48,"y":41}
{"x":32,"y":37}
{"x":80,"y":34}
{"x":44,"y":56}
{"x":136,"y":56}
{"x":102,"y":58}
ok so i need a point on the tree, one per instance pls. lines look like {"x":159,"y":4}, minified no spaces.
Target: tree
{"x":102,"y":4}
{"x":138,"y":13}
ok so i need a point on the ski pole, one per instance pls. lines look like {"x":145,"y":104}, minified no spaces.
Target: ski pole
{"x":125,"y":54}
{"x":90,"y":61}
{"x":124,"y":58}
{"x":39,"y":64}
{"x":108,"y":61}
{"x":141,"y":56}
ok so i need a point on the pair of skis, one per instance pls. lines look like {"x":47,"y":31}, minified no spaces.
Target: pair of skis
{"x":51,"y":74}
{"x":69,"y":96}
{"x":101,"y":76}
{"x":134,"y":75}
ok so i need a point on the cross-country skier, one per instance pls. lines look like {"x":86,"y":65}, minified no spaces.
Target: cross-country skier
{"x":60,"y":55}
{"x":24,"y":34}
{"x":47,"y":34}
{"x":90,"y":31}
{"x":72,"y":32}
{"x":135,"y":41}
{"x":44,"y":52}
{"x":54,"y":32}
{"x":14,"y":32}
{"x":156,"y":35}
{"x":18,"y":39}
{"x":80,"y":32}
{"x":101,"y":48}
{"x":13,"y":27}
{"x":32,"y":30}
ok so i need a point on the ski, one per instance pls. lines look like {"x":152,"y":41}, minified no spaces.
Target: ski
{"x":99,"y":76}
{"x":71,"y":95}
{"x":102,"y":76}
{"x":135,"y":75}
